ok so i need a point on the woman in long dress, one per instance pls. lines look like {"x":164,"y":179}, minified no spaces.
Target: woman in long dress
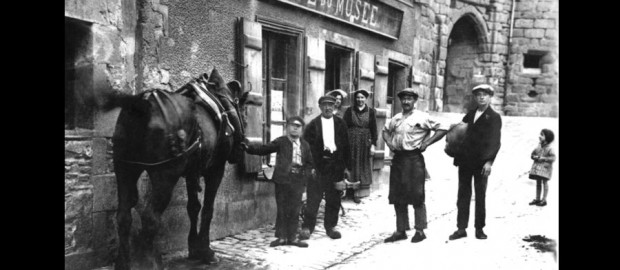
{"x":362,"y":124}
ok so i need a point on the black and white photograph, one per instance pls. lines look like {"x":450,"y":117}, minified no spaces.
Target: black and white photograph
{"x":311,"y":134}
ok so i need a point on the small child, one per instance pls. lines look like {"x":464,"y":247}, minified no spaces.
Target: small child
{"x":293,"y":168}
{"x":543,"y":157}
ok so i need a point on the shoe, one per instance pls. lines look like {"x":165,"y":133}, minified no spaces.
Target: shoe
{"x":396,"y":236}
{"x":297,"y":243}
{"x":535,"y":201}
{"x":356,"y":200}
{"x":418,"y":237}
{"x":480,"y":234}
{"x":304,"y":234}
{"x":458,"y":234}
{"x":278,"y":242}
{"x":333,"y":234}
{"x":542,"y":203}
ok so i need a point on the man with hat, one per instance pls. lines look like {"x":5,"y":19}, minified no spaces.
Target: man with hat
{"x":329,"y":145}
{"x":408,"y":135}
{"x":479,"y":148}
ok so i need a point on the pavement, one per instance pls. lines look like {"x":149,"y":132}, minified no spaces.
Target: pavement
{"x":364,"y":226}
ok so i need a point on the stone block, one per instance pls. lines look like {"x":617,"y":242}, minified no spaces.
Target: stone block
{"x":550,"y":98}
{"x":544,"y":23}
{"x":551,"y":34}
{"x":512,"y":97}
{"x":524,"y":23}
{"x":105,"y":197}
{"x":532,"y":15}
{"x":544,"y":6}
{"x":534,"y":33}
{"x":105,"y":240}
{"x":548,"y":43}
{"x":517,"y":32}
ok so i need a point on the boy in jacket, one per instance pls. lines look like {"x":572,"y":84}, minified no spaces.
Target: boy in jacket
{"x":293,"y":166}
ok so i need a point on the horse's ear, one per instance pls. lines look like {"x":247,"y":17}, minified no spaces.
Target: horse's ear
{"x":216,"y":80}
{"x":235,"y":87}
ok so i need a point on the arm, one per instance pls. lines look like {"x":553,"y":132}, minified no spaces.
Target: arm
{"x":264,"y":149}
{"x":436,"y":137}
{"x":550,"y":157}
{"x":494,"y":144}
{"x":372,"y":113}
{"x":387,"y":137}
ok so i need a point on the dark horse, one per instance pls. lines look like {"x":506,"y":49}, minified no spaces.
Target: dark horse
{"x":171,"y":135}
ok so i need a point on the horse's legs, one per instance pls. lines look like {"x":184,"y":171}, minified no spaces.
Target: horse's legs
{"x":212,"y":183}
{"x":162,"y":182}
{"x":193,"y":208}
{"x":126,"y":181}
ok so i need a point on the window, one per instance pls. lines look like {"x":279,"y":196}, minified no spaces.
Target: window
{"x":532,"y":61}
{"x":338,"y":69}
{"x":78,"y":74}
{"x":281,"y":83}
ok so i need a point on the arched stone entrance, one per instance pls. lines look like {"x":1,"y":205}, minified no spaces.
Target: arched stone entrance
{"x":463,"y":66}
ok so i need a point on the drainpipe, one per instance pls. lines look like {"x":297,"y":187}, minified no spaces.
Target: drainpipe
{"x":508,"y":52}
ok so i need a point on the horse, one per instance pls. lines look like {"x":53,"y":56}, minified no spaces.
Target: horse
{"x":170,"y":135}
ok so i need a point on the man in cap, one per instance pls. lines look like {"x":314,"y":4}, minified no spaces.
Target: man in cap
{"x":329,"y":145}
{"x":407,"y":135}
{"x":479,"y":148}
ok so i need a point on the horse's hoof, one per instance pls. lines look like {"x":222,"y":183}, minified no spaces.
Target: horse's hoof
{"x":211,"y":260}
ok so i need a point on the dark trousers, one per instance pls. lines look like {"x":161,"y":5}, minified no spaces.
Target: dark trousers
{"x":402,"y":217}
{"x":288,"y":202}
{"x":464,"y":196}
{"x":324,"y":184}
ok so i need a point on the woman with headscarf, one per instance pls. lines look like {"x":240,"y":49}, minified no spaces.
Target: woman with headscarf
{"x":340,"y":95}
{"x":362,"y":125}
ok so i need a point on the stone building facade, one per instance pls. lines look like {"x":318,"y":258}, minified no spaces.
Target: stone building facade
{"x":289,"y":52}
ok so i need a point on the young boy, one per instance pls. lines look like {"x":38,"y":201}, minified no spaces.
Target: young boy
{"x":293,"y":168}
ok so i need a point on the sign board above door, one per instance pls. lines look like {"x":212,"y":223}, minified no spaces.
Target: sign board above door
{"x":370,"y":15}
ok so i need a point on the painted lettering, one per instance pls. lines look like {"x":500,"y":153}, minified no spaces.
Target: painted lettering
{"x":365,"y":14}
{"x":349,"y":8}
{"x":322,"y":2}
{"x":357,"y":9}
{"x":339,"y":7}
{"x":373,"y":17}
{"x":312,"y":3}
{"x":329,"y":4}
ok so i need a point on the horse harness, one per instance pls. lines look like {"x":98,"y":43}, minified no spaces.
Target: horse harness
{"x":193,"y":147}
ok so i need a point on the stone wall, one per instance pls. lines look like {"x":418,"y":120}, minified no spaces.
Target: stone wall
{"x":534,"y":92}
{"x":535,"y":28}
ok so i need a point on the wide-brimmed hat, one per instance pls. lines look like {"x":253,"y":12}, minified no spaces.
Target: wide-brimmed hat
{"x":336,"y":92}
{"x":409,"y":92}
{"x":327,"y":99}
{"x":363,"y":91}
{"x":484,"y":87}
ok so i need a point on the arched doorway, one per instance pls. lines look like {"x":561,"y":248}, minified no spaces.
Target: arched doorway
{"x":462,"y":65}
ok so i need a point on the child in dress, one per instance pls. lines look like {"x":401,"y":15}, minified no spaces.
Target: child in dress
{"x":543,"y":157}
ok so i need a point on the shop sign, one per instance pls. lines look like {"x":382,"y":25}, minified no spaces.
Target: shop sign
{"x":370,"y":15}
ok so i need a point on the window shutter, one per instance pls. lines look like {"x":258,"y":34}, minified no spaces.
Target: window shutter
{"x":380,"y":97}
{"x":251,"y":77}
{"x":316,"y":76}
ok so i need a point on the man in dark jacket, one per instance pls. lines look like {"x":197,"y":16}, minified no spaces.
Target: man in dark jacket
{"x":329,"y":144}
{"x":479,"y":148}
{"x":294,"y":165}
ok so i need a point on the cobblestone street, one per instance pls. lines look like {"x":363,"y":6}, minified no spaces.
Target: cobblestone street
{"x":364,"y":226}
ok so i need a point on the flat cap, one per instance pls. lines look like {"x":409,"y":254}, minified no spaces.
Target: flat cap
{"x":409,"y":92}
{"x":363,"y":91}
{"x":485,"y":87}
{"x":327,"y":99}
{"x":336,"y":92}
